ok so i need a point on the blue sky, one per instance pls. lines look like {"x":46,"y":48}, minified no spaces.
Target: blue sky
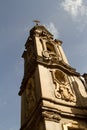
{"x":66,"y":19}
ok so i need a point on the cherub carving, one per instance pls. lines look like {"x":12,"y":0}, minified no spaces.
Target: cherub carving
{"x":63,"y":92}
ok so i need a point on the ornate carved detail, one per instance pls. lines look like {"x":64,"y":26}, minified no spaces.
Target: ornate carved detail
{"x":51,"y":116}
{"x":41,"y":31}
{"x":67,"y":69}
{"x":73,"y":125}
{"x":62,"y":86}
{"x":49,"y":53}
{"x":45,"y":55}
{"x":50,"y":56}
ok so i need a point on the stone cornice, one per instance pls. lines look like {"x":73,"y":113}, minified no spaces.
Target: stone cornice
{"x":79,"y":111}
{"x":51,"y":114}
{"x":60,"y":65}
{"x":39,"y":60}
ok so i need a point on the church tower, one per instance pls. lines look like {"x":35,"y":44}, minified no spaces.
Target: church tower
{"x":53,"y":94}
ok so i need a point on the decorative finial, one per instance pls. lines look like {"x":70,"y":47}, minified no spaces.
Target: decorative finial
{"x":36,"y":21}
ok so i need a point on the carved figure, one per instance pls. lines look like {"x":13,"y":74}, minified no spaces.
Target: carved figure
{"x":63,"y":92}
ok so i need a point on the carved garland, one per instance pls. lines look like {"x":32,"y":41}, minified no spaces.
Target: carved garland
{"x":62,"y":86}
{"x":51,"y":116}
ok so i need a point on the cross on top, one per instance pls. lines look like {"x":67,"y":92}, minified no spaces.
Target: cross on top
{"x":36,"y":21}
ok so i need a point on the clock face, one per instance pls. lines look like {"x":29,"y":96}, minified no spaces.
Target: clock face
{"x":30,"y":97}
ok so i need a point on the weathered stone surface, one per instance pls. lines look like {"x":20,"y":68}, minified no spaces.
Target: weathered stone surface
{"x":53,"y":94}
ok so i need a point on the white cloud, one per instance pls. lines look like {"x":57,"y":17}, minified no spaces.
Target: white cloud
{"x":75,"y":7}
{"x":51,"y":27}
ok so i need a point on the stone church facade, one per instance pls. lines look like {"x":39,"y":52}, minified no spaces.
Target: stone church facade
{"x":53,"y":94}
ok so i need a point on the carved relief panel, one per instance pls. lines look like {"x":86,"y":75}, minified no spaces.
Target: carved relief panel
{"x":62,"y":86}
{"x":30,"y":98}
{"x":52,"y":116}
{"x":50,"y":51}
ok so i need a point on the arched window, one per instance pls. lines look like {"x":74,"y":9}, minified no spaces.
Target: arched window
{"x":50,"y":48}
{"x":61,"y":76}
